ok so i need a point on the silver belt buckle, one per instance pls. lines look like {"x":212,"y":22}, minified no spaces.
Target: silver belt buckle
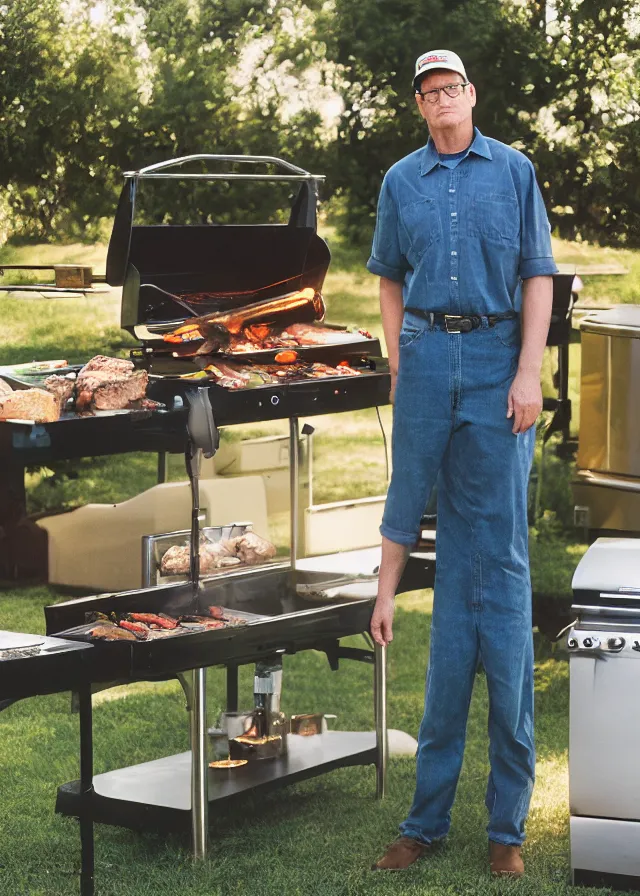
{"x":452,"y":323}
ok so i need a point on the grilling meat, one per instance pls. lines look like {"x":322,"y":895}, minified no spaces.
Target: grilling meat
{"x":109,"y":384}
{"x":30,"y":404}
{"x":219,"y":327}
{"x":108,"y":632}
{"x":249,"y":549}
{"x":252,"y":549}
{"x":102,"y":364}
{"x":62,"y":387}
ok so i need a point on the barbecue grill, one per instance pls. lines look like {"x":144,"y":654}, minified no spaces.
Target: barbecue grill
{"x":172,"y":273}
{"x":169,"y":275}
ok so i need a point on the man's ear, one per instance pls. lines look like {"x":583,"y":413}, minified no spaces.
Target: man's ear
{"x":472,"y":94}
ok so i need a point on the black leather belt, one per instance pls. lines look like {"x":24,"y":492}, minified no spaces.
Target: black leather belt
{"x":460,"y":323}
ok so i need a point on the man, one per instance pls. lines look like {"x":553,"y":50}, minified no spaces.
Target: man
{"x":463,"y":252}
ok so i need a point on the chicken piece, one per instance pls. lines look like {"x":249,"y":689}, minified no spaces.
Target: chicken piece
{"x":252,"y":549}
{"x":215,"y":555}
{"x":108,"y":632}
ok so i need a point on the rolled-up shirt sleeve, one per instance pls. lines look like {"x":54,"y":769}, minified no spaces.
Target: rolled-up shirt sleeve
{"x":387,"y":258}
{"x":536,"y":258}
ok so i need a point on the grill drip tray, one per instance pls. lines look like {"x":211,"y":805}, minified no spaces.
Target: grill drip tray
{"x":157,"y":795}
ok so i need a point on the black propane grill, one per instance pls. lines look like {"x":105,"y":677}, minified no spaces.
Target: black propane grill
{"x":172,"y":273}
{"x":278,"y":619}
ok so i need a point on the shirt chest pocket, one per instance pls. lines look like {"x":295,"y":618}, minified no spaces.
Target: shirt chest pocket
{"x":422,"y":227}
{"x":494,"y":217}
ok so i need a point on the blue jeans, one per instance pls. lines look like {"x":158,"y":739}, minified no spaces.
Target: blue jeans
{"x":450,"y":424}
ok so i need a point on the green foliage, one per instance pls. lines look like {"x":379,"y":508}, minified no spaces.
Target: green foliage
{"x":566,"y":94}
{"x":82,"y":99}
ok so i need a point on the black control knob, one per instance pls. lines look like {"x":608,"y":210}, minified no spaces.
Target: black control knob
{"x":588,"y":642}
{"x":636,"y":645}
{"x":572,"y":643}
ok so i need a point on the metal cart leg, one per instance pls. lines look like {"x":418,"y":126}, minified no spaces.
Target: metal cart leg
{"x":86,"y":787}
{"x":232,"y":688}
{"x":380,"y":701}
{"x":199,"y":765}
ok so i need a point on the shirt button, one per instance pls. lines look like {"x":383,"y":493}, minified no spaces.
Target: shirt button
{"x":454,"y":278}
{"x":451,"y":190}
{"x":454,"y":253}
{"x":454,"y":214}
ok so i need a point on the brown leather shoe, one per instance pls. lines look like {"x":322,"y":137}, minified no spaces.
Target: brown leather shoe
{"x":505,"y":861}
{"x":400,"y":854}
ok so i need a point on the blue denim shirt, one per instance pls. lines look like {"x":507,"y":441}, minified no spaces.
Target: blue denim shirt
{"x":462,"y":233}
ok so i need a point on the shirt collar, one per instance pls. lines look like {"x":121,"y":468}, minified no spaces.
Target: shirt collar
{"x":430,"y":157}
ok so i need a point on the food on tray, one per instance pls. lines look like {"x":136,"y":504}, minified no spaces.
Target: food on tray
{"x":231,"y":375}
{"x":30,"y":404}
{"x":62,"y":387}
{"x":218,"y":328}
{"x":109,"y":384}
{"x":252,"y":549}
{"x":110,"y":632}
{"x":249,"y":549}
{"x":151,"y":626}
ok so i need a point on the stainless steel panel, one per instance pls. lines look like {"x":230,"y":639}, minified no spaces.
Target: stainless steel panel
{"x":609,"y":439}
{"x":602,"y":844}
{"x":611,"y":503}
{"x":604,"y":733}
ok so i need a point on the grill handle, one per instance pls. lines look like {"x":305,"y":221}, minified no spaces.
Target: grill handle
{"x":162,"y":169}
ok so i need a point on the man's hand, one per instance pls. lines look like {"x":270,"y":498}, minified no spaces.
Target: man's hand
{"x":382,"y":620}
{"x":394,"y":376}
{"x":524,"y":401}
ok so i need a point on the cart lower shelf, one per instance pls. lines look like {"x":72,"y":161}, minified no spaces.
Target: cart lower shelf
{"x":156,"y":796}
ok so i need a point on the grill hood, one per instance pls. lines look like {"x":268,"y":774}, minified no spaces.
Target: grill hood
{"x":236,"y":264}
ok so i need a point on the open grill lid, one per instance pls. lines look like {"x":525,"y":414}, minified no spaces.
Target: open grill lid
{"x":234,"y":264}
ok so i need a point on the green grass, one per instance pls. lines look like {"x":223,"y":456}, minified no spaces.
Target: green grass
{"x":319,"y":837}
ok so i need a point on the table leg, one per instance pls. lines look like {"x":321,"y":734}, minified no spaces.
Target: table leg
{"x":86,"y":786}
{"x":199,"y":765}
{"x":232,"y":688}
{"x":380,"y":699}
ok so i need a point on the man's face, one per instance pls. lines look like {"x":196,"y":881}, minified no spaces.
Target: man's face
{"x":446,"y":112}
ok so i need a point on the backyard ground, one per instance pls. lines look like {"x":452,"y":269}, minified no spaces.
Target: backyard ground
{"x":317,"y":838}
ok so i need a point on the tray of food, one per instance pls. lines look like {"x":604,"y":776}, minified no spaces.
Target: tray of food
{"x":141,"y":626}
{"x":48,"y":391}
{"x":166,"y":557}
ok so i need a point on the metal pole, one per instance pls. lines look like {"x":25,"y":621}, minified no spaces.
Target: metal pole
{"x":199,"y":765}
{"x":294,"y":482}
{"x":86,"y":788}
{"x":163,"y":466}
{"x":380,"y":705}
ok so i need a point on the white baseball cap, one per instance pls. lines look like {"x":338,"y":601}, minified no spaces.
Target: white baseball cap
{"x":437,"y":59}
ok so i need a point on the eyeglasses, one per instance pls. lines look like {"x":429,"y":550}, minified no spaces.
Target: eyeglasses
{"x":451,"y":90}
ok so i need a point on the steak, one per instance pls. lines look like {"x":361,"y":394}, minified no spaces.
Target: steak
{"x":115,"y":395}
{"x":102,"y":364}
{"x":109,"y":384}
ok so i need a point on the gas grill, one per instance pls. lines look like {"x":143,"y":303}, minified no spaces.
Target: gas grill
{"x":173,"y":273}
{"x":604,"y":778}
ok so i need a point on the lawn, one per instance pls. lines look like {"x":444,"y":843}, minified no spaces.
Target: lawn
{"x":315,"y":838}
